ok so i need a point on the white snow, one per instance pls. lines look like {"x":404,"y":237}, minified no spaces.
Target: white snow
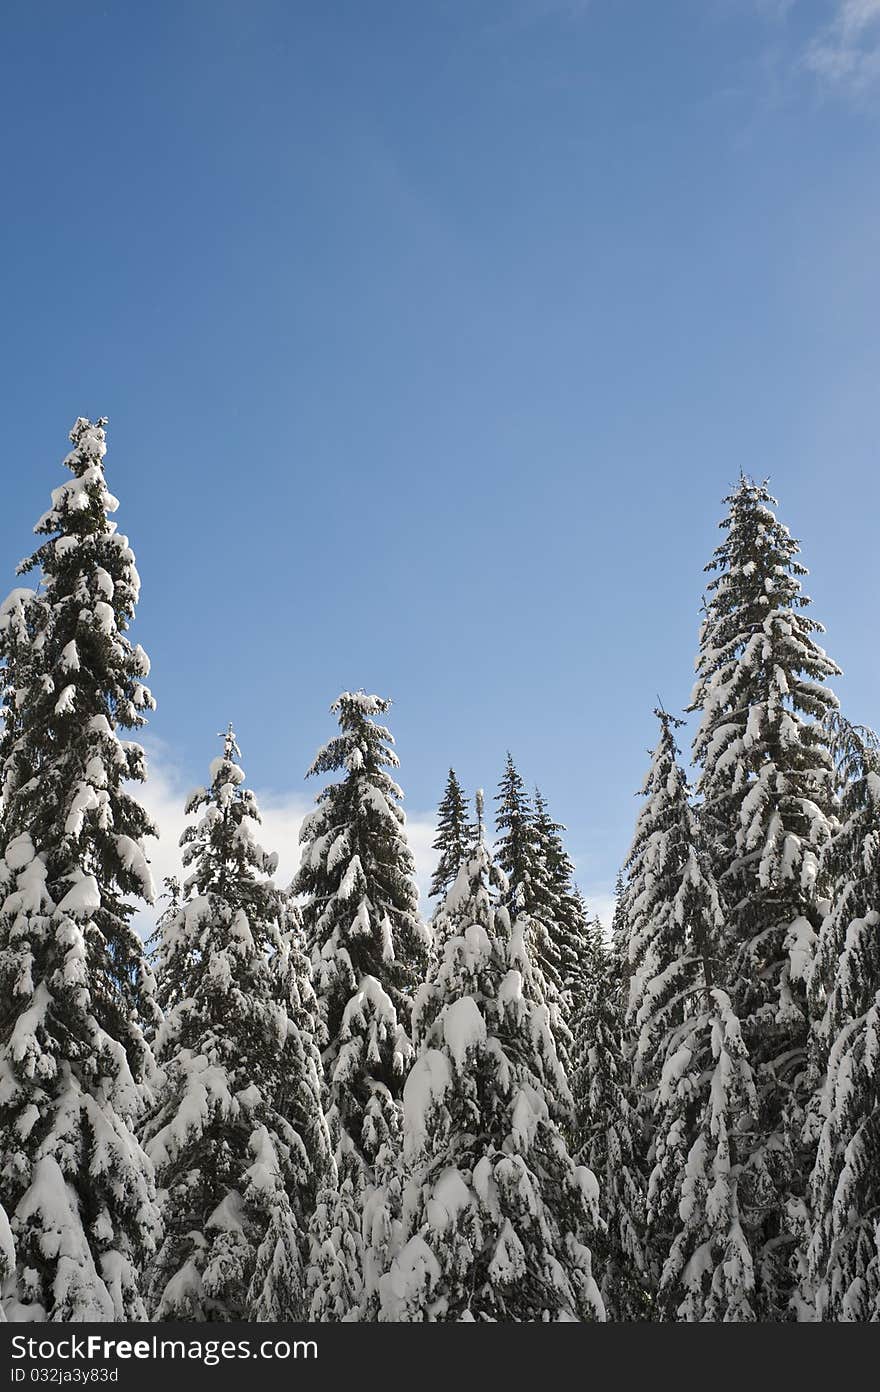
{"x":449,"y":1197}
{"x":20,"y":852}
{"x":428,"y":1080}
{"x":105,"y":616}
{"x":800,"y":942}
{"x":232,"y":773}
{"x":463,"y":1028}
{"x":66,"y":701}
{"x":83,"y":899}
{"x":69,"y":660}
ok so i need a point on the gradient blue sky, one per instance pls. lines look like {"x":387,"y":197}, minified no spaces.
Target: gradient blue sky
{"x":431,"y":336}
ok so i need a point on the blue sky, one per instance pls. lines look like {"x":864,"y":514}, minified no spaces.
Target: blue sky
{"x":431,"y":336}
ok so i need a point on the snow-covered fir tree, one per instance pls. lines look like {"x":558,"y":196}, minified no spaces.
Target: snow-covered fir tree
{"x":168,"y":988}
{"x":21,"y":612}
{"x":671,"y":919}
{"x":496,"y":1214}
{"x":454,"y":839}
{"x":541,"y":892}
{"x":843,"y":1258}
{"x":369,"y":951}
{"x":515,"y":850}
{"x":690,"y":1069}
{"x":459,"y":907}
{"x":607,"y":1128}
{"x":75,"y":988}
{"x":765,"y":784}
{"x":705,"y":1101}
{"x":369,"y":948}
{"x":7,"y":1262}
{"x":568,"y":931}
{"x":670,"y":909}
{"x":238,"y":1138}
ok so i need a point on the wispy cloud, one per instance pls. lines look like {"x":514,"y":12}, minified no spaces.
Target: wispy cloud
{"x":846,"y":53}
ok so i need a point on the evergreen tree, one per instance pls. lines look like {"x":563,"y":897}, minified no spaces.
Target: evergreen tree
{"x":843,"y":1258}
{"x":540,"y":892}
{"x":467,"y":901}
{"x":166,"y":990}
{"x":360,"y":917}
{"x":706,"y":1093}
{"x":495,"y":1212}
{"x":670,"y":916}
{"x":369,"y":950}
{"x":671,"y":911}
{"x":20,"y":616}
{"x":238,"y":1138}
{"x":337,"y":1257}
{"x":607,"y":1129}
{"x":690,"y":1068}
{"x":7,"y":1262}
{"x":515,"y":850}
{"x":454,"y":837}
{"x":766,"y":788}
{"x":568,"y":932}
{"x":75,"y":988}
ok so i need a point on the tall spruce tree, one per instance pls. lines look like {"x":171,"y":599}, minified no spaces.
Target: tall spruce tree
{"x":690,"y":1070}
{"x":540,"y":892}
{"x":454,"y":839}
{"x":705,"y":1098}
{"x":495,"y":1212}
{"x":607,"y":1129}
{"x":369,"y":950}
{"x":7,"y":1262}
{"x":843,"y":1258}
{"x":515,"y":849}
{"x":765,"y":782}
{"x":466,"y":898}
{"x":671,"y":911}
{"x":75,"y":989}
{"x":569,"y":933}
{"x":670,"y":917}
{"x":238,"y":1138}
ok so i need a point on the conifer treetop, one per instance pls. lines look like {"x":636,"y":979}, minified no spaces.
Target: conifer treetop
{"x":238,"y":1138}
{"x":514,"y":848}
{"x":759,"y":669}
{"x":766,"y":791}
{"x":367,"y":942}
{"x":670,"y":906}
{"x":454,"y":837}
{"x":221,"y":848}
{"x":495,"y":1211}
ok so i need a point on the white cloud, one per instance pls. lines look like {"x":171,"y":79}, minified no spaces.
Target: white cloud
{"x":602,"y":904}
{"x":847,"y":52}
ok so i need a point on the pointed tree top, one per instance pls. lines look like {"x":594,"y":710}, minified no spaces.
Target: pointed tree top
{"x":87,"y":438}
{"x":667,"y":720}
{"x":230,"y":745}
